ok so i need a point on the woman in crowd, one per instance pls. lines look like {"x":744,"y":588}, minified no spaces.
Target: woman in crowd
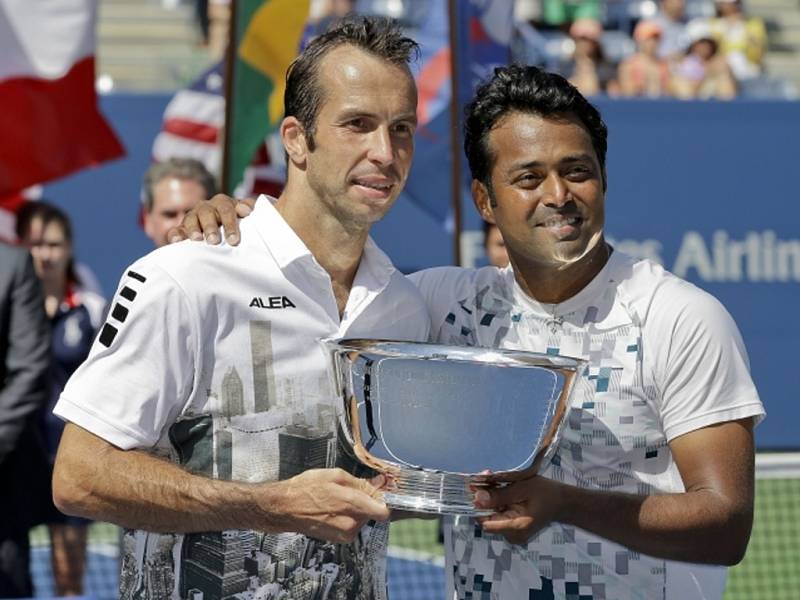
{"x":644,"y":73}
{"x":742,"y":39}
{"x":703,"y":72}
{"x":75,"y":316}
{"x":589,"y":71}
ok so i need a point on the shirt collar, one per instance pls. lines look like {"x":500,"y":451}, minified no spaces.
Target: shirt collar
{"x":285,"y":246}
{"x":280,"y":240}
{"x":593,"y":302}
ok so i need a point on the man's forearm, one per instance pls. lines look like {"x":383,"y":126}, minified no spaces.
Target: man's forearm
{"x":95,"y":479}
{"x":698,"y":526}
{"x":134,"y":489}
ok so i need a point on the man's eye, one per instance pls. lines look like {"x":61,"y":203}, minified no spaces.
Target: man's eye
{"x":579,"y":173}
{"x":528,"y":179}
{"x":404,"y":128}
{"x":357,"y":123}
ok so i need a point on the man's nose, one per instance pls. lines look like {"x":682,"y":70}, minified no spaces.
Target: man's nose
{"x":381,"y":149}
{"x":554,"y":190}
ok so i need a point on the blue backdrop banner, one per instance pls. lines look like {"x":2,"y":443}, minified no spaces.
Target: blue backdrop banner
{"x":704,"y":188}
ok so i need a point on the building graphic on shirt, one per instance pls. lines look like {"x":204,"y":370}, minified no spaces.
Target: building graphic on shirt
{"x":263,"y":376}
{"x":288,"y":429}
{"x":223,"y":456}
{"x":213,"y":563}
{"x":232,"y":394}
{"x":300,"y":448}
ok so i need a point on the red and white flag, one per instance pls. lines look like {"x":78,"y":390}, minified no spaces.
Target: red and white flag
{"x":192,"y":128}
{"x":50,"y":124}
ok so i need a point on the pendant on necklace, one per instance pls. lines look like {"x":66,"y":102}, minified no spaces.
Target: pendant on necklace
{"x":555,"y":323}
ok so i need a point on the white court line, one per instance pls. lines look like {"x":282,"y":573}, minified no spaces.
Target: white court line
{"x":408,"y":554}
{"x":778,"y":465}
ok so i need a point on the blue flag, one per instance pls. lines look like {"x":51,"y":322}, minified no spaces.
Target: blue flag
{"x":484,"y":30}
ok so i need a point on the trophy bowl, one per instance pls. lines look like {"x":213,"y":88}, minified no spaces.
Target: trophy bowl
{"x":434,"y":419}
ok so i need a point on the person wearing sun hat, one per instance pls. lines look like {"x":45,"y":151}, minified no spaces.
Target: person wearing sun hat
{"x":702,"y":72}
{"x":589,"y":71}
{"x":644,"y":73}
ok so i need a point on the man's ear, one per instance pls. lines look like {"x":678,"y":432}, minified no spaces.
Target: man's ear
{"x":147,"y":223}
{"x":294,"y":140}
{"x":483,"y":201}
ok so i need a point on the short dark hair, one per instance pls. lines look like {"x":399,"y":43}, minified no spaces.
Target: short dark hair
{"x":47,"y":213}
{"x":379,"y":36}
{"x":530,"y":90}
{"x":180,"y":168}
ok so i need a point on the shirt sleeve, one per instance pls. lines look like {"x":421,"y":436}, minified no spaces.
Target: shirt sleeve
{"x":141,"y":369}
{"x":441,"y":287}
{"x":704,"y":373}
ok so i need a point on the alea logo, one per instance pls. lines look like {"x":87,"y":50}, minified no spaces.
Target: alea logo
{"x":271,"y":302}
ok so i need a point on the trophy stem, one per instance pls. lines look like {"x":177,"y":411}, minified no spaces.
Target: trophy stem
{"x":432,"y":492}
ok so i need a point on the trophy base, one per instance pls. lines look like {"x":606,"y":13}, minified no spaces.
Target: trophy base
{"x":432,"y":492}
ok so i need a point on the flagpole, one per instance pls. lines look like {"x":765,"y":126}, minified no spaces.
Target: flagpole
{"x":455,"y":131}
{"x":230,"y":59}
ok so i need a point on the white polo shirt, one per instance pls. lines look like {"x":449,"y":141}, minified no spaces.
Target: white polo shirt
{"x":211,"y":356}
{"x":664,"y":358}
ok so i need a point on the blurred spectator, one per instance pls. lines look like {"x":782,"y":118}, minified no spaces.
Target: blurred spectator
{"x":703,"y":72}
{"x":742,"y":40}
{"x":494,"y":245}
{"x":219,"y":17}
{"x":645,"y":73}
{"x":588,"y":70}
{"x":24,"y":360}
{"x":201,"y":15}
{"x":170,"y":190}
{"x":75,"y":316}
{"x":561,"y":14}
{"x":671,"y":17}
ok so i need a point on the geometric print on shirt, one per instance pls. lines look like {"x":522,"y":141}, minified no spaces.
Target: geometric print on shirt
{"x":562,"y":561}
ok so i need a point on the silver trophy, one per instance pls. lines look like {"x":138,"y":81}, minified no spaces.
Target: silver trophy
{"x":434,"y":419}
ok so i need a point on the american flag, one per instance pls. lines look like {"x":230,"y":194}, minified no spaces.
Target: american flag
{"x":192,"y":128}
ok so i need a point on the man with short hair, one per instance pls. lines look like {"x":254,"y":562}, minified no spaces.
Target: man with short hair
{"x":204,"y":418}
{"x":650,"y":491}
{"x":170,"y":189}
{"x":655,"y":462}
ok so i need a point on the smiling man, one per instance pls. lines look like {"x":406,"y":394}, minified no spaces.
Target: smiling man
{"x":650,"y":491}
{"x":204,"y":417}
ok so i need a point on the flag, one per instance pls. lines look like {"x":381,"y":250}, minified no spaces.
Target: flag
{"x":192,"y":128}
{"x":429,"y":183}
{"x":193,"y":122}
{"x":268,"y":35}
{"x":50,"y":124}
{"x":483,"y":33}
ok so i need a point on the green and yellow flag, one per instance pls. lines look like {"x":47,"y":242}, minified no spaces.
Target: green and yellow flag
{"x":267,"y":35}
